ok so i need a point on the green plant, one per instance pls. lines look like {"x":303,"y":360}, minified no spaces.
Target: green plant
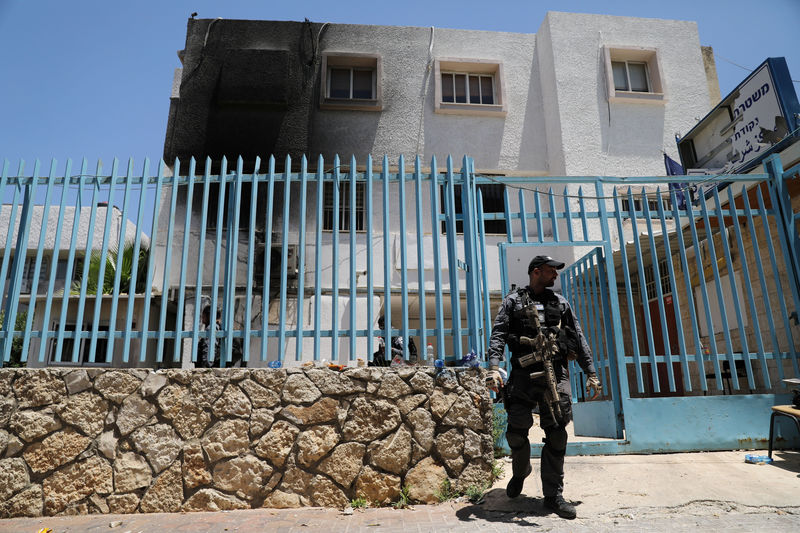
{"x":404,"y":500}
{"x":498,"y":470}
{"x":475,"y":492}
{"x":113,"y":262}
{"x":446,"y":491}
{"x":15,"y":355}
{"x":359,"y":503}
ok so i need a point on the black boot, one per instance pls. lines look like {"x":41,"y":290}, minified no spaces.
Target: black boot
{"x":559,"y":505}
{"x":514,"y":487}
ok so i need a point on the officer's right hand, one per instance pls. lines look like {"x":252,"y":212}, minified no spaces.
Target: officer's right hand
{"x":494,"y":381}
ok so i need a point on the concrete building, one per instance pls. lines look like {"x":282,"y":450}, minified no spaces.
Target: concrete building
{"x":585,"y":95}
{"x":548,"y":103}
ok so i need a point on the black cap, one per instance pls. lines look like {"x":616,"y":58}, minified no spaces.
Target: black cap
{"x":540,"y":260}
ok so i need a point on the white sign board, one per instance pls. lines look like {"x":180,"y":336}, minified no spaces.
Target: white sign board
{"x":747,"y":125}
{"x":754,"y":110}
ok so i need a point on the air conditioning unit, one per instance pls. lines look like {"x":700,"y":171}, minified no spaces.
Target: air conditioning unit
{"x":276,"y":256}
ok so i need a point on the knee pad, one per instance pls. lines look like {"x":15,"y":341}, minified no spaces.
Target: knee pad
{"x":516,"y":438}
{"x":555,"y":437}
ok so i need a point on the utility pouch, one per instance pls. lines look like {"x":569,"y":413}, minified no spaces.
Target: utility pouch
{"x":526,"y":360}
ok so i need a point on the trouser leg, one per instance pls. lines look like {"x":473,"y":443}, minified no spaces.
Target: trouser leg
{"x":555,"y":447}
{"x":520,"y":421}
{"x":520,"y":451}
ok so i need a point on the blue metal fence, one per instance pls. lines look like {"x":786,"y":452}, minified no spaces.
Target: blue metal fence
{"x":684,"y":301}
{"x":212,"y":240}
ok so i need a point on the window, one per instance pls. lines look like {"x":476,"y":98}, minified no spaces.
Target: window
{"x":633,"y":74}
{"x":61,"y":282}
{"x":28,"y":271}
{"x":228,"y":204}
{"x":493,"y":202}
{"x":351,"y":81}
{"x":344,"y":206}
{"x":650,"y":279}
{"x":469,"y":87}
{"x":652,"y":205}
{"x":84,"y":345}
{"x":462,"y":88}
{"x":630,"y":76}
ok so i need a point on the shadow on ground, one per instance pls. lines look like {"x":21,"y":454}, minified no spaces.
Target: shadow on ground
{"x":786,"y":460}
{"x":497,"y":507}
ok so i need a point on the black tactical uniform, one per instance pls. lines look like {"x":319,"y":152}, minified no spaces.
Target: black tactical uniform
{"x":522,"y":393}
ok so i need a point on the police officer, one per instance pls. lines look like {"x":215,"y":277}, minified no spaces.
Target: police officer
{"x":523,"y":393}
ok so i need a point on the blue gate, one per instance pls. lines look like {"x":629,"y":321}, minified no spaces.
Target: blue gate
{"x":688,"y":296}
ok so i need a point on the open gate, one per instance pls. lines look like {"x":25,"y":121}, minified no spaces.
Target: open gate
{"x":688,"y":297}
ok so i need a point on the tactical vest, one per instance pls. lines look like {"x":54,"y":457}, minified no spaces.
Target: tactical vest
{"x":548,"y":313}
{"x":534,"y":314}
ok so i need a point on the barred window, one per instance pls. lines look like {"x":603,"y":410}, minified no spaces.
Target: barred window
{"x":493,"y":202}
{"x":344,"y":206}
{"x":466,"y":88}
{"x":650,"y":281}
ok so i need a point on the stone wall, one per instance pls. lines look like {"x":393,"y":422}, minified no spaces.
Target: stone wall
{"x":134,"y":440}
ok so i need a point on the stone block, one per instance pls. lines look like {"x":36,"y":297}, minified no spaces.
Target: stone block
{"x":344,"y":463}
{"x":75,"y":482}
{"x":116,"y":385}
{"x":35,"y":388}
{"x":56,"y":450}
{"x":165,"y":495}
{"x":30,"y":425}
{"x":226,"y":438}
{"x":86,"y":411}
{"x":213,"y":500}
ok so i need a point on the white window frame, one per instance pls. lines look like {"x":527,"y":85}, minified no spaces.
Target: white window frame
{"x":467,"y":76}
{"x":628,"y":85}
{"x":656,"y":92}
{"x":470,"y":67}
{"x":353,"y":62}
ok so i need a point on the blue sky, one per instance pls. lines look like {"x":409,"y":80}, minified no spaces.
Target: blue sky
{"x":92,"y":78}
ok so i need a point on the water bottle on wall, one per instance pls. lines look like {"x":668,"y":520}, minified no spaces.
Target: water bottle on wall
{"x":429,"y":355}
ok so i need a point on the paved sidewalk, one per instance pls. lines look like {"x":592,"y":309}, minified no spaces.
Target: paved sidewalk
{"x":677,"y":492}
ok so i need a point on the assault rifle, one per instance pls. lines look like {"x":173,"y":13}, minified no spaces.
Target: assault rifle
{"x":544,"y":349}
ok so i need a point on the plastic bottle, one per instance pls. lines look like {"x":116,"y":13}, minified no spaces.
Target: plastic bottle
{"x":429,"y":355}
{"x":757,"y":459}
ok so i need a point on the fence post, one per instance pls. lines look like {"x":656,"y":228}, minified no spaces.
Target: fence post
{"x":774,"y":168}
{"x":12,"y":303}
{"x":470,"y":256}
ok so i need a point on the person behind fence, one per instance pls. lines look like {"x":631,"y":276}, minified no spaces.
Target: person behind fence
{"x":542,"y":333}
{"x":202,"y":346}
{"x":234,"y":358}
{"x":379,"y":357}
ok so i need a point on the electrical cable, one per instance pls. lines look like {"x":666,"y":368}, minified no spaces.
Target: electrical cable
{"x":740,"y":66}
{"x":424,"y":91}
